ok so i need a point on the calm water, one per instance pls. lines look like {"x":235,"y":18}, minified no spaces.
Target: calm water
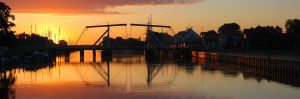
{"x":134,"y":76}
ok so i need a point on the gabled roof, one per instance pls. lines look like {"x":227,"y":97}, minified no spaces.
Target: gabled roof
{"x":188,"y":34}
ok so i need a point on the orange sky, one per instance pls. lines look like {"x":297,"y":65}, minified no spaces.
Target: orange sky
{"x":73,"y":15}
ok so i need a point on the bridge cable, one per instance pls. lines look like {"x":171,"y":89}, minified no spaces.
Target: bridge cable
{"x":84,"y":30}
{"x":112,"y":33}
{"x":100,"y":37}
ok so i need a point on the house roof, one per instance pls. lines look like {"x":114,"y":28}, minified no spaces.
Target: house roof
{"x":187,"y":34}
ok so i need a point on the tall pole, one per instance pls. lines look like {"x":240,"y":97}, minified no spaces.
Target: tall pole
{"x":31,"y":29}
{"x":149,"y":29}
{"x":59,"y":33}
{"x":35,"y":28}
{"x":108,"y":37}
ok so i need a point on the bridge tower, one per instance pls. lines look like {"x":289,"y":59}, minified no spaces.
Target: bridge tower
{"x":164,"y":44}
{"x":152,"y":42}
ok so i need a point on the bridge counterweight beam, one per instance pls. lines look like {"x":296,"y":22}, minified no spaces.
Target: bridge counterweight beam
{"x":110,"y":25}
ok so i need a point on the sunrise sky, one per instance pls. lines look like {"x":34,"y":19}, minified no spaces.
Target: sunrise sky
{"x":203,"y":15}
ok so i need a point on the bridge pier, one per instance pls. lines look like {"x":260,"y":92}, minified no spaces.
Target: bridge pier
{"x":94,"y":55}
{"x":106,"y":55}
{"x":81,"y":55}
{"x":67,"y":57}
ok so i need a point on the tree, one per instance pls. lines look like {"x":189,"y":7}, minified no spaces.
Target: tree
{"x":33,"y":40}
{"x":22,"y":39}
{"x":210,"y":36}
{"x":62,"y":43}
{"x":7,"y":37}
{"x":230,"y":35}
{"x":264,"y":38}
{"x":293,"y":30}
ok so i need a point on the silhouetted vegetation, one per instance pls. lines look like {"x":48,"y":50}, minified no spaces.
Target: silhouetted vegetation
{"x":230,"y":35}
{"x":120,"y":42}
{"x":33,"y":40}
{"x":62,"y":43}
{"x":261,"y":38}
{"x":293,"y":30}
{"x":7,"y":37}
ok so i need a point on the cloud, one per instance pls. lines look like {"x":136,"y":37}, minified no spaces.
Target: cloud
{"x":84,"y":6}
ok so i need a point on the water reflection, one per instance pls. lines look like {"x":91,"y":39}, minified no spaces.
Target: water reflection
{"x":8,"y":76}
{"x":7,"y":90}
{"x":136,"y":75}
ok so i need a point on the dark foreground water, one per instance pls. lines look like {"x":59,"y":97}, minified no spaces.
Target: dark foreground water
{"x":135,"y":76}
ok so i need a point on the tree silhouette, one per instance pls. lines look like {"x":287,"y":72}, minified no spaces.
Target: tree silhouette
{"x":230,"y":35}
{"x":62,"y":43}
{"x":293,"y":29}
{"x":120,"y":42}
{"x":33,"y":40}
{"x":7,"y":37}
{"x":262,"y":38}
{"x":6,"y":17}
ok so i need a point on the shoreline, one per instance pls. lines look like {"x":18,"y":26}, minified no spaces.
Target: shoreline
{"x":247,"y":59}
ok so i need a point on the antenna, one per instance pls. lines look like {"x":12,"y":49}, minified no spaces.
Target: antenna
{"x":189,"y":25}
{"x":150,"y":22}
{"x":59,"y":32}
{"x":151,"y":19}
{"x":31,"y":29}
{"x":35,"y":29}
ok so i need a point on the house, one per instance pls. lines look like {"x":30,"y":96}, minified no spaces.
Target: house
{"x":210,"y":40}
{"x":190,"y":38}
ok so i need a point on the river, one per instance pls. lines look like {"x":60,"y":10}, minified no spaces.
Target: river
{"x":128,"y":75}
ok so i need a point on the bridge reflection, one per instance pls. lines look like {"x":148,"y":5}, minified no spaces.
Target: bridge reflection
{"x":155,"y":63}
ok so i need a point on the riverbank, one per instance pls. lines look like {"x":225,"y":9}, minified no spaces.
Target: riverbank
{"x":252,"y":59}
{"x":19,"y":56}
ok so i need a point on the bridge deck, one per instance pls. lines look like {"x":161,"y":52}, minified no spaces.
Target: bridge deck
{"x":83,"y":47}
